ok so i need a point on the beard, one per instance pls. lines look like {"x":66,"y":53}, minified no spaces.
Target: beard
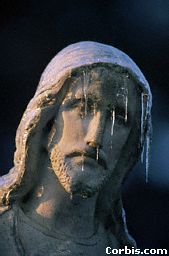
{"x":70,"y":175}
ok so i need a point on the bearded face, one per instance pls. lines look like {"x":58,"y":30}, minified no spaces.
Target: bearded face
{"x":91,"y":128}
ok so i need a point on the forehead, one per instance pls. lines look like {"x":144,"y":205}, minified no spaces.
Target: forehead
{"x":103,"y":84}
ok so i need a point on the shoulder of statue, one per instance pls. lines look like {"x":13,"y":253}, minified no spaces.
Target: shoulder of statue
{"x":7,"y":241}
{"x":4,"y":209}
{"x":6,"y":218}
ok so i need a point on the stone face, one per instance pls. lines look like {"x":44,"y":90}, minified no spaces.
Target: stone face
{"x":79,"y":137}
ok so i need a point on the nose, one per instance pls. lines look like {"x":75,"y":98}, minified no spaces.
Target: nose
{"x":95,"y":130}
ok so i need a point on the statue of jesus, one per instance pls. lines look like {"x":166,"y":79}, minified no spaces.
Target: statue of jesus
{"x":79,"y":137}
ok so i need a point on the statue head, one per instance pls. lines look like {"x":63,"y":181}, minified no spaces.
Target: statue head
{"x":90,"y":116}
{"x":94,"y":103}
{"x":91,"y":129}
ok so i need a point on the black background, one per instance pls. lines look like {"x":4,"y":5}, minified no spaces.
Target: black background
{"x":32,"y":32}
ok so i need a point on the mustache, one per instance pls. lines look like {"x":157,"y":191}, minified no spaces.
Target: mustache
{"x":91,"y":153}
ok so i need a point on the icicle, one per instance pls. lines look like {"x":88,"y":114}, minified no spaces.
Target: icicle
{"x":85,"y":83}
{"x":82,"y":162}
{"x":142,"y":155}
{"x":123,"y":93}
{"x":85,"y":97}
{"x":126,"y":106}
{"x":147,"y":157}
{"x":145,"y":118}
{"x":97,"y":153}
{"x":125,"y":97}
{"x":112,"y":125}
{"x":148,"y":145}
{"x":142,"y":118}
{"x":113,"y":121}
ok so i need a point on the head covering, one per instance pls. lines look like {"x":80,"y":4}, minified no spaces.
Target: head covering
{"x":42,"y":106}
{"x":84,"y":54}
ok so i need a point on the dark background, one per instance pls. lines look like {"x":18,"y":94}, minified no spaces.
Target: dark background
{"x":32,"y":32}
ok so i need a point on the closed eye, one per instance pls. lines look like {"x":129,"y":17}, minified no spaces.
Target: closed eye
{"x":82,"y":105}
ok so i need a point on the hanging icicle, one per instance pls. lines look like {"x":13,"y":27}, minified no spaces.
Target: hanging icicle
{"x":123,"y":93}
{"x":142,"y":119}
{"x":148,"y":138}
{"x":147,"y":157}
{"x":82,"y":162}
{"x":85,"y":84}
{"x":113,"y":115}
{"x":145,"y":121}
{"x":125,"y":96}
{"x":142,"y":155}
{"x":97,"y":153}
{"x":113,"y":122}
{"x":126,"y":106}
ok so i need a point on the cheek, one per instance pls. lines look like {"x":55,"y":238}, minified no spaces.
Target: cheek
{"x":72,"y":127}
{"x":114,"y":144}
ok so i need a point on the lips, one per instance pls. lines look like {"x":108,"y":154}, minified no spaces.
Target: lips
{"x":91,"y":154}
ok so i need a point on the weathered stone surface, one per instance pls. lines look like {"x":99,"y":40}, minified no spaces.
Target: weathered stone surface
{"x":79,"y":137}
